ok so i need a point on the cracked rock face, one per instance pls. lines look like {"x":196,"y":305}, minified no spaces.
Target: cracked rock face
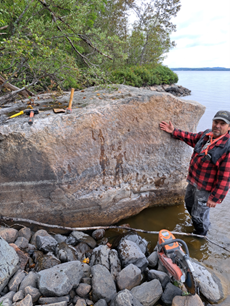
{"x":103,"y":162}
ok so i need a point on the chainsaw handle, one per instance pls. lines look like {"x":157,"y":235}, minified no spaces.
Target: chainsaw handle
{"x":169,"y":241}
{"x":31,"y":119}
{"x":71,"y":99}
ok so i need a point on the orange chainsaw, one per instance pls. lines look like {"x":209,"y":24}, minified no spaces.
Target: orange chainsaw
{"x":177,"y":262}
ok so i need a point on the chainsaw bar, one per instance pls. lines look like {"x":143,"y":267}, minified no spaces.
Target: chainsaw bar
{"x":185,"y":264}
{"x":190,"y":283}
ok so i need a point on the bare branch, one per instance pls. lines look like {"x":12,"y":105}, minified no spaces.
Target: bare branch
{"x":34,"y":14}
{"x":11,"y":95}
{"x":28,"y":221}
{"x":5,"y":83}
{"x":3,"y":28}
{"x":83,"y":37}
{"x":85,"y":59}
{"x":59,"y":28}
{"x":22,"y":14}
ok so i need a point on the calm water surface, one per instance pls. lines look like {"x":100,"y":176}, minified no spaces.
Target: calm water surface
{"x":212,"y":89}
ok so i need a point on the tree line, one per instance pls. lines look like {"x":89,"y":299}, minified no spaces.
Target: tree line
{"x":59,"y":44}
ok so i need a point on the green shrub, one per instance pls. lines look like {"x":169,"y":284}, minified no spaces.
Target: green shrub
{"x":126,"y":76}
{"x":166,"y":75}
{"x":144,"y":76}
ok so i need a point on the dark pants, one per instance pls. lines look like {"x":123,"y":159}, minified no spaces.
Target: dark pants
{"x":196,"y":204}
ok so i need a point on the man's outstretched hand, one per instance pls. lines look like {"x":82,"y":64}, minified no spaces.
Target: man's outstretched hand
{"x":167,"y":127}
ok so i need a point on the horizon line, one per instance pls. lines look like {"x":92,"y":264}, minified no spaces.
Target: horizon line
{"x":225,"y":68}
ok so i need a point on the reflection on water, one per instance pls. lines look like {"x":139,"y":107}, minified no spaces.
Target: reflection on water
{"x":176,"y":218}
{"x":173,"y":218}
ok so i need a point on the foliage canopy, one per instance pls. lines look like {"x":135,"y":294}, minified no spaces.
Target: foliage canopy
{"x":78,"y":43}
{"x":144,"y":76}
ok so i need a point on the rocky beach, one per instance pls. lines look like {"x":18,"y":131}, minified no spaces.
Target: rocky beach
{"x":84,"y":269}
{"x":174,"y":89}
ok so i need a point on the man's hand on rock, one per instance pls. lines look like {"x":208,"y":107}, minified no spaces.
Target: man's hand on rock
{"x":167,"y":127}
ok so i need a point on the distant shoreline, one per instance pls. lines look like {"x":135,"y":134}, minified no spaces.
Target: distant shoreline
{"x":201,"y":69}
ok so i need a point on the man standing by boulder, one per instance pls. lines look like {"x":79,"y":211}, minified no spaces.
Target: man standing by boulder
{"x":209,"y":169}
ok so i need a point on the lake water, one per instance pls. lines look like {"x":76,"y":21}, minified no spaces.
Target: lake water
{"x":212,"y":89}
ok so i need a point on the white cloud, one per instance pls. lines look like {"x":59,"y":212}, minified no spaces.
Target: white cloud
{"x":202,"y":36}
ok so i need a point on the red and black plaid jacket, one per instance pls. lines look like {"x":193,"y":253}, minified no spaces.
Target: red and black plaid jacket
{"x":205,"y":174}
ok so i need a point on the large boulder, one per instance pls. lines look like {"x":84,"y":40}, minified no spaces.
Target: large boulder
{"x":148,"y":293}
{"x":103,"y":162}
{"x":60,"y":279}
{"x":210,"y":285}
{"x":130,"y":253}
{"x":125,"y":298}
{"x":8,"y":234}
{"x":103,"y":285}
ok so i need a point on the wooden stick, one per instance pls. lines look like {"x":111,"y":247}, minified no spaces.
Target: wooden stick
{"x":103,"y":227}
{"x":24,"y":92}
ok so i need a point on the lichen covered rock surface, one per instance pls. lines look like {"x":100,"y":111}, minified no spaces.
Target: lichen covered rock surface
{"x":108,"y":160}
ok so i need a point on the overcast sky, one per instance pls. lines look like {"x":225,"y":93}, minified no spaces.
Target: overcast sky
{"x":202,"y":36}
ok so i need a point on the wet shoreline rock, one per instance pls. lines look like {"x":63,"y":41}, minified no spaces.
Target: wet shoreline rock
{"x":100,"y":276}
{"x":174,"y":89}
{"x":9,"y":262}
